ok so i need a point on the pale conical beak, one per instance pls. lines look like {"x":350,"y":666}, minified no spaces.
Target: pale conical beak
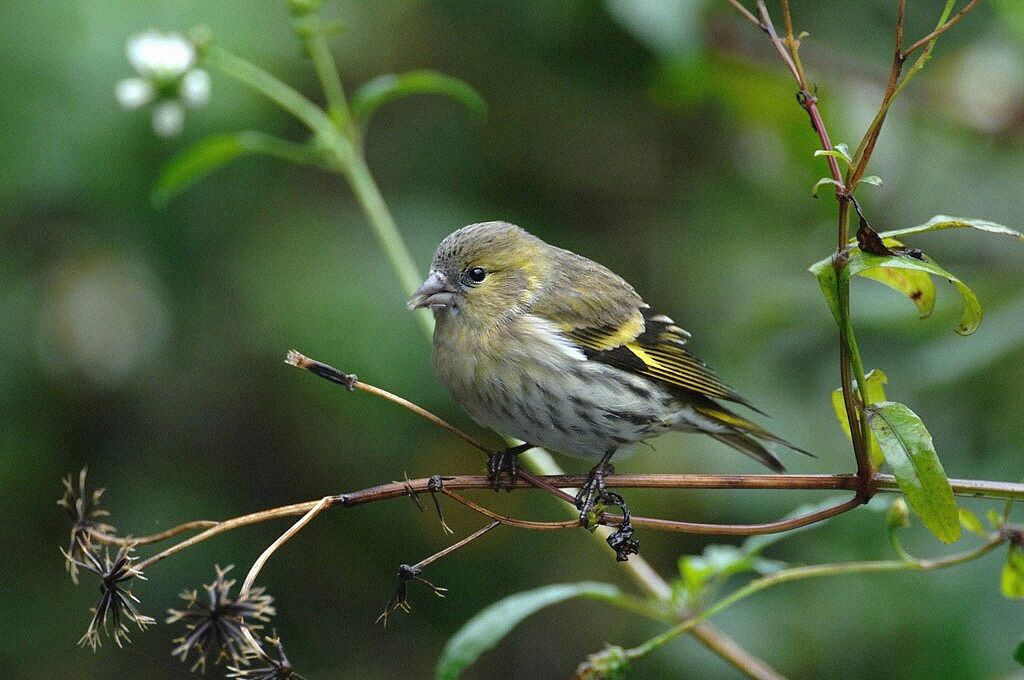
{"x":435,"y":293}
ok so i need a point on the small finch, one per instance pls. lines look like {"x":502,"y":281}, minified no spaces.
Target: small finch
{"x":552,"y":348}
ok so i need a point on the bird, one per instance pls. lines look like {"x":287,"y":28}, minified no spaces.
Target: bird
{"x":549,"y":347}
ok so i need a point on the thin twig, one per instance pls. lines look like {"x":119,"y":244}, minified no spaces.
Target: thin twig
{"x":154,"y":538}
{"x":350,"y":381}
{"x":740,"y":529}
{"x":257,"y":566}
{"x":511,"y":521}
{"x":746,"y":13}
{"x":942,"y":29}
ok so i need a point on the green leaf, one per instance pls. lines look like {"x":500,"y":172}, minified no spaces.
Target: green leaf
{"x":717,"y":562}
{"x":970,"y":320}
{"x":1012,"y":581}
{"x":825,"y":272}
{"x":874,"y":392}
{"x":488,"y":627}
{"x":834,"y":153}
{"x":910,"y":453}
{"x":940,"y":222}
{"x":216,"y":151}
{"x":820,"y":183}
{"x":917,"y":286}
{"x":873,"y":180}
{"x":995,"y":518}
{"x":1018,"y":654}
{"x":386,"y":88}
{"x":970,"y":522}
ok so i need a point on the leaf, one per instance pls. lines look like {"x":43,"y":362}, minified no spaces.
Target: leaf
{"x":216,"y":151}
{"x":970,"y":522}
{"x":821,"y":182}
{"x":1012,"y":580}
{"x":910,"y":453}
{"x":489,"y":626}
{"x":386,"y":88}
{"x":940,"y":222}
{"x":1018,"y":654}
{"x":873,"y":180}
{"x":874,"y":392}
{"x":918,"y":286}
{"x":970,"y":320}
{"x":825,"y":272}
{"x":834,"y":153}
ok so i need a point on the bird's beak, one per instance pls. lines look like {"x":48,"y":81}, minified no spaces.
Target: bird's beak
{"x":435,"y":293}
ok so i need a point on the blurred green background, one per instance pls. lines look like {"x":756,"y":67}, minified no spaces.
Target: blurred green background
{"x":659,"y":138}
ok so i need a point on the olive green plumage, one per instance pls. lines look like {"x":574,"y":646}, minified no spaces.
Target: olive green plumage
{"x":545,"y":345}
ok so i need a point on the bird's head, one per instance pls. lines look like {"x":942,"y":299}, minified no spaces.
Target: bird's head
{"x":483,"y":273}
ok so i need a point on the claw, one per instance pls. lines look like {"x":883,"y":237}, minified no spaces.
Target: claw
{"x":594,"y":492}
{"x":506,"y":460}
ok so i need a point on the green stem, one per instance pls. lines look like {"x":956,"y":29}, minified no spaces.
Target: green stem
{"x":279,"y":92}
{"x":386,"y":231}
{"x":813,"y":571}
{"x":856,"y":362}
{"x":330,"y":81}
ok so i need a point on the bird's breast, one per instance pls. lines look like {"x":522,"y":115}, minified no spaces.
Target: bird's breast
{"x":525,"y":380}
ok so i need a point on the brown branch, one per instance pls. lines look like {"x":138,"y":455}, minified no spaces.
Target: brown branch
{"x":809,"y":103}
{"x":740,"y":529}
{"x":880,"y":482}
{"x":972,"y":488}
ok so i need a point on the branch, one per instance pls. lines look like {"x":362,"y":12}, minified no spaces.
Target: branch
{"x":942,"y":28}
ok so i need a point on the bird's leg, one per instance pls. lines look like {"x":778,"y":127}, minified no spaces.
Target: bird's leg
{"x":506,"y":460}
{"x":594,"y":488}
{"x":621,"y":541}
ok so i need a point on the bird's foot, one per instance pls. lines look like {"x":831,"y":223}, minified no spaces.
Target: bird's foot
{"x":507,"y":461}
{"x":595,"y":493}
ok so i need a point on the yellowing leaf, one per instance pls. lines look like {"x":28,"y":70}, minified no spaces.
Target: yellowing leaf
{"x":916,"y":285}
{"x":874,"y":388}
{"x":1012,"y":581}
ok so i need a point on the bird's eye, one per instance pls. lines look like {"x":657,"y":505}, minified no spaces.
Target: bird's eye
{"x":475,"y":275}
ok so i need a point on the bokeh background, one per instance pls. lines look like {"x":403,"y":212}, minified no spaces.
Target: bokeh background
{"x":660,"y":138}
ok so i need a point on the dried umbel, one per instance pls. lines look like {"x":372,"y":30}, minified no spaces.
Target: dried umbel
{"x":117,"y":604}
{"x":86,"y":516}
{"x":219,"y":626}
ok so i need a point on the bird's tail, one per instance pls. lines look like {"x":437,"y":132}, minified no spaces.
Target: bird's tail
{"x":743,"y":435}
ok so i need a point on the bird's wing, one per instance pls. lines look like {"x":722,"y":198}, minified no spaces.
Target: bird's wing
{"x":601,"y":313}
{"x":652,"y":345}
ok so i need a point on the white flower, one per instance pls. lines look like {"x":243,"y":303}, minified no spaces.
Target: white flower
{"x":195,"y":88}
{"x":166,"y":76}
{"x":134,"y":93}
{"x":161,"y":56}
{"x":168,"y":118}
